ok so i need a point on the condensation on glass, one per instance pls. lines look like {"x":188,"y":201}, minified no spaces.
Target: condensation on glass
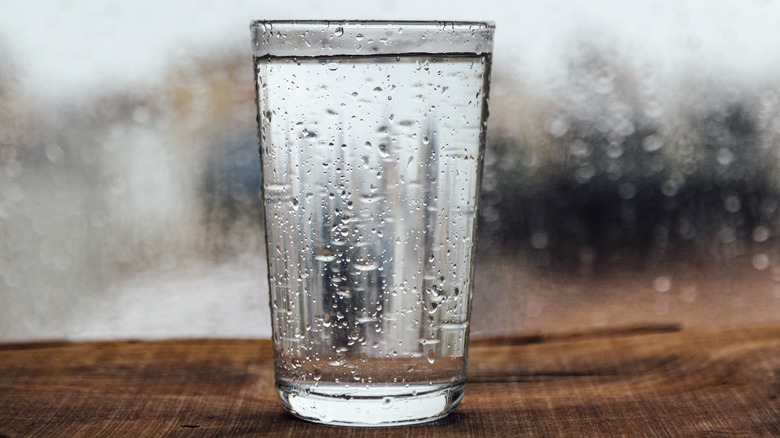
{"x":371,"y":142}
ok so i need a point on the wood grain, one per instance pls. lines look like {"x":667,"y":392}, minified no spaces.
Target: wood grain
{"x":642,"y":381}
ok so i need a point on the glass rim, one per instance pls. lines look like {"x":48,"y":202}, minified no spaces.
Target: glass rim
{"x":315,"y":38}
{"x":378,"y":23}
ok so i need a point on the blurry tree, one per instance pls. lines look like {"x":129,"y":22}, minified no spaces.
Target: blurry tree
{"x":609,"y":174}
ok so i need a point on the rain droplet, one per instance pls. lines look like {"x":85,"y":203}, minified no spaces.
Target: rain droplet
{"x":626,"y":191}
{"x":337,"y":362}
{"x":732,"y":204}
{"x":366,"y":266}
{"x":383,"y":150}
{"x":760,"y":261}
{"x":339,"y":31}
{"x":325,"y":256}
{"x":539,"y":240}
{"x":387,"y":402}
{"x":431,"y":356}
{"x":688,"y":294}
{"x":54,"y":153}
{"x":724,"y":156}
{"x":652,"y":143}
{"x":761,"y":234}
{"x":662,"y":284}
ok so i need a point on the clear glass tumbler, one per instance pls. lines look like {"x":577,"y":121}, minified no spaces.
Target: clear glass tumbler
{"x":371,"y":142}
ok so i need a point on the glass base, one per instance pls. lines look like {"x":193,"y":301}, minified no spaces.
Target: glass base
{"x":377,"y":406}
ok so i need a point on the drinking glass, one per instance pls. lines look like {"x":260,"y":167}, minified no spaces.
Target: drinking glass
{"x":372,"y":138}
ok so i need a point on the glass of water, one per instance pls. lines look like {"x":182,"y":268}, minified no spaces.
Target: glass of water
{"x":372,"y":136}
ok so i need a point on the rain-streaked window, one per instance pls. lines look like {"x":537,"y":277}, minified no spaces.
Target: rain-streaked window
{"x":631,"y":172}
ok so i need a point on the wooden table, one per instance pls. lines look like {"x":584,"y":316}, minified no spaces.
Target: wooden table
{"x":642,"y":381}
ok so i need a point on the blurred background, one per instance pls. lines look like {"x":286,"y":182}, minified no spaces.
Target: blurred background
{"x":632,"y":168}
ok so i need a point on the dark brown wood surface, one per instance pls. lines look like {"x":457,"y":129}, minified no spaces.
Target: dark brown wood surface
{"x":651,"y":381}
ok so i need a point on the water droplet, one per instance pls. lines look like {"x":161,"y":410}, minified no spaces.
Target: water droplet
{"x":761,"y":234}
{"x":339,"y":31}
{"x":539,"y":240}
{"x":662,"y":284}
{"x":727,"y":234}
{"x":359,"y":37}
{"x":325,"y":256}
{"x":724,"y":156}
{"x":383,"y":150}
{"x":387,"y":403}
{"x":626,"y":191}
{"x":365,"y":266}
{"x":760,"y":261}
{"x":652,"y":143}
{"x":732,"y":204}
{"x":54,"y":153}
{"x":333,"y":66}
{"x":431,"y":356}
{"x":340,"y":360}
{"x":688,"y":294}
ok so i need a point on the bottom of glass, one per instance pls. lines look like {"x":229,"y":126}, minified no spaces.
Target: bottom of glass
{"x":377,"y":406}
